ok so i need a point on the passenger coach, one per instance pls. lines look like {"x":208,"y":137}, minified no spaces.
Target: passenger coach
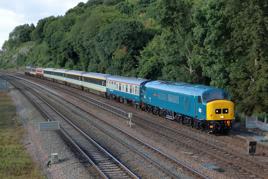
{"x":125,"y":88}
{"x":73,"y":77}
{"x":54,"y":74}
{"x":95,"y":82}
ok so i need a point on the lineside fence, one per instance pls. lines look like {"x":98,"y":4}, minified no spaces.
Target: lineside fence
{"x":260,"y":122}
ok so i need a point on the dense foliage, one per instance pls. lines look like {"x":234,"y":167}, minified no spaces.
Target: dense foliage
{"x":222,"y":43}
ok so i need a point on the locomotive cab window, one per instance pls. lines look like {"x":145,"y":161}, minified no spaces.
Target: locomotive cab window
{"x":199,"y":99}
{"x":218,"y":111}
{"x":225,"y":111}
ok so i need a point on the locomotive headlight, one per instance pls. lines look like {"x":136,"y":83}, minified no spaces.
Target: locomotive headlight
{"x":218,"y":111}
{"x":225,"y":111}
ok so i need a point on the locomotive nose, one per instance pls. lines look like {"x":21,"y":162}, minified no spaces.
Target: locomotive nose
{"x":220,"y":110}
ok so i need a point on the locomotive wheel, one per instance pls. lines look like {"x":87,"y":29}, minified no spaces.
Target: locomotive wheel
{"x":148,"y":109}
{"x":178,"y":118}
{"x":163,"y":113}
{"x":192,"y":123}
{"x":143,"y":108}
{"x":155,"y":111}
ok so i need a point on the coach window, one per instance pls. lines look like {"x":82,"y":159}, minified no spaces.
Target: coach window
{"x":130,"y":88}
{"x":136,"y":90}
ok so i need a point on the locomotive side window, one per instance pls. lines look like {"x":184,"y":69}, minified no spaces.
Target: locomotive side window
{"x":173,"y":98}
{"x":218,"y":111}
{"x":225,"y":111}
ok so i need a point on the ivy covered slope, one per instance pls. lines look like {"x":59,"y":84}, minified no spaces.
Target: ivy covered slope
{"x":222,"y":43}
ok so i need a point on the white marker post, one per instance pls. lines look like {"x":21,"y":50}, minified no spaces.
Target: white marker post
{"x":50,"y":126}
{"x":130,"y":120}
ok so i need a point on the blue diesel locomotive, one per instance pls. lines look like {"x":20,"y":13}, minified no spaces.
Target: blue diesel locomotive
{"x":197,"y":105}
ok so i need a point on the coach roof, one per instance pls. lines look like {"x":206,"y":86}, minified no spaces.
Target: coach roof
{"x":74,"y":72}
{"x":130,"y":80}
{"x":95,"y":75}
{"x":54,"y":70}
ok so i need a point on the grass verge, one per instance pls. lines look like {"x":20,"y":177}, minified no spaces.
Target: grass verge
{"x":15,"y":162}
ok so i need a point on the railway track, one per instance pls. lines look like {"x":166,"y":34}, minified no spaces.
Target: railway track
{"x":104,"y":162}
{"x":243,"y":166}
{"x":157,"y":152}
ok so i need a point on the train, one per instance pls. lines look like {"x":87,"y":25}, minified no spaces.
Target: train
{"x":199,"y":106}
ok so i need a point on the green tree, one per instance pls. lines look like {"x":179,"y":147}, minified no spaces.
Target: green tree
{"x":19,"y":35}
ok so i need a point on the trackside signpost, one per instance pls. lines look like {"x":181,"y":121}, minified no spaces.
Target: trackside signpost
{"x":3,"y":85}
{"x":50,"y":126}
{"x":252,"y":147}
{"x":130,"y":123}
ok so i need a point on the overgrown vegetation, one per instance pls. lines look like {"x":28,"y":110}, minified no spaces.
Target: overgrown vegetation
{"x":14,"y":161}
{"x":222,"y":43}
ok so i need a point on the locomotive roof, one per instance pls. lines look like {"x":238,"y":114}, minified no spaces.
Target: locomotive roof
{"x":180,"y":87}
{"x":131,"y":80}
{"x":95,"y":75}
